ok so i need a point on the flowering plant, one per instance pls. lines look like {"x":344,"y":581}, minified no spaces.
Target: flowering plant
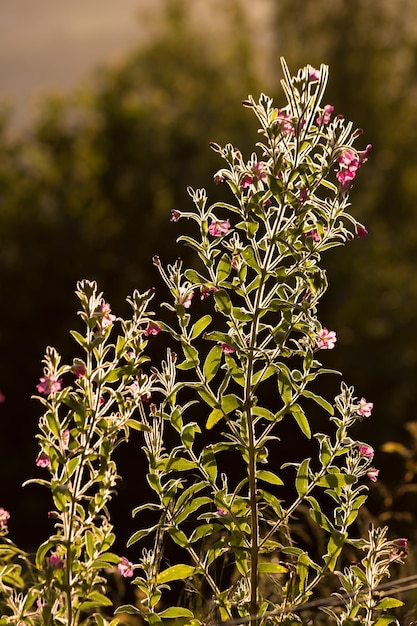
{"x":245,"y":368}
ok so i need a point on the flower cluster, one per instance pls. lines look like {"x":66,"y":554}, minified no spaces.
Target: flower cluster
{"x":349,"y":162}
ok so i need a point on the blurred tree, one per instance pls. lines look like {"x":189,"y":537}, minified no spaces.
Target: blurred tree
{"x":372,"y":302}
{"x":88,"y":193}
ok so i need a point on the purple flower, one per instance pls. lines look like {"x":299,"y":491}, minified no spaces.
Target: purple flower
{"x":55,"y":561}
{"x":175,"y":215}
{"x":78,"y":369}
{"x":327,"y":114}
{"x":4,"y":517}
{"x":326,"y":339}
{"x":313,"y":74}
{"x":104,"y":316}
{"x":227,"y":349}
{"x":185,"y":297}
{"x":361,"y":231}
{"x":125,"y":567}
{"x":372,"y":474}
{"x":152,"y":329}
{"x":43,"y":460}
{"x":366,"y":451}
{"x":49,"y":384}
{"x":365,"y":408}
{"x":219,"y":228}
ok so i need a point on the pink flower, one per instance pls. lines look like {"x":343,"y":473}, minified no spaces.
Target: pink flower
{"x":345,"y":177}
{"x":365,"y":408}
{"x":65,"y":437}
{"x":49,"y":384}
{"x":325,"y":118}
{"x":285,"y":122}
{"x":175,"y":215}
{"x":206,"y":290}
{"x":78,"y":369}
{"x":227,"y":349}
{"x":43,"y":460}
{"x":185,"y":296}
{"x":104,"y":315}
{"x":4,"y":517}
{"x":219,"y":228}
{"x":55,"y":561}
{"x":125,"y":567}
{"x":246,"y":181}
{"x":218,"y":179}
{"x":366,"y":451}
{"x":372,"y":474}
{"x":348,"y":158}
{"x":303,"y":195}
{"x":153,"y":329}
{"x":256,"y":172}
{"x":361,"y":231}
{"x":349,"y":164}
{"x":221,"y":511}
{"x":2,"y":398}
{"x":313,"y":234}
{"x":326,"y":339}
{"x":313,"y":74}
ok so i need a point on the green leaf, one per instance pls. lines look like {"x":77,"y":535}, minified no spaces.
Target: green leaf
{"x":355,"y":508}
{"x":386,"y":620}
{"x":234,"y":370}
{"x":207,"y":397}
{"x":224,"y":268}
{"x":318,"y":516}
{"x":215,"y":416}
{"x":179,"y":465}
{"x":336,"y":481}
{"x":89,"y":543}
{"x":230,"y":402}
{"x":79,"y":339}
{"x":212,"y":363}
{"x":334,"y":548}
{"x":176,"y":572}
{"x":200,"y":325}
{"x":208,"y":461}
{"x":301,"y":419}
{"x":95,"y":599}
{"x":302,"y":478}
{"x":272,"y":501}
{"x":191,"y":506}
{"x":388,"y":603}
{"x":129,"y":609}
{"x":263,"y":374}
{"x":249,"y":257}
{"x":272,"y":568}
{"x":223,"y":302}
{"x":325,"y":450}
{"x":42,"y":552}
{"x":269,"y":477}
{"x":194,"y":277}
{"x":190,"y":353}
{"x":262,"y":412}
{"x":186,"y":365}
{"x":178,"y":537}
{"x":321,"y":401}
{"x":176,"y":611}
{"x":53,"y":424}
{"x":285,"y":387}
{"x":188,"y":433}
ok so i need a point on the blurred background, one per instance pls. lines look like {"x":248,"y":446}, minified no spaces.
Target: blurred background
{"x":107,"y":112}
